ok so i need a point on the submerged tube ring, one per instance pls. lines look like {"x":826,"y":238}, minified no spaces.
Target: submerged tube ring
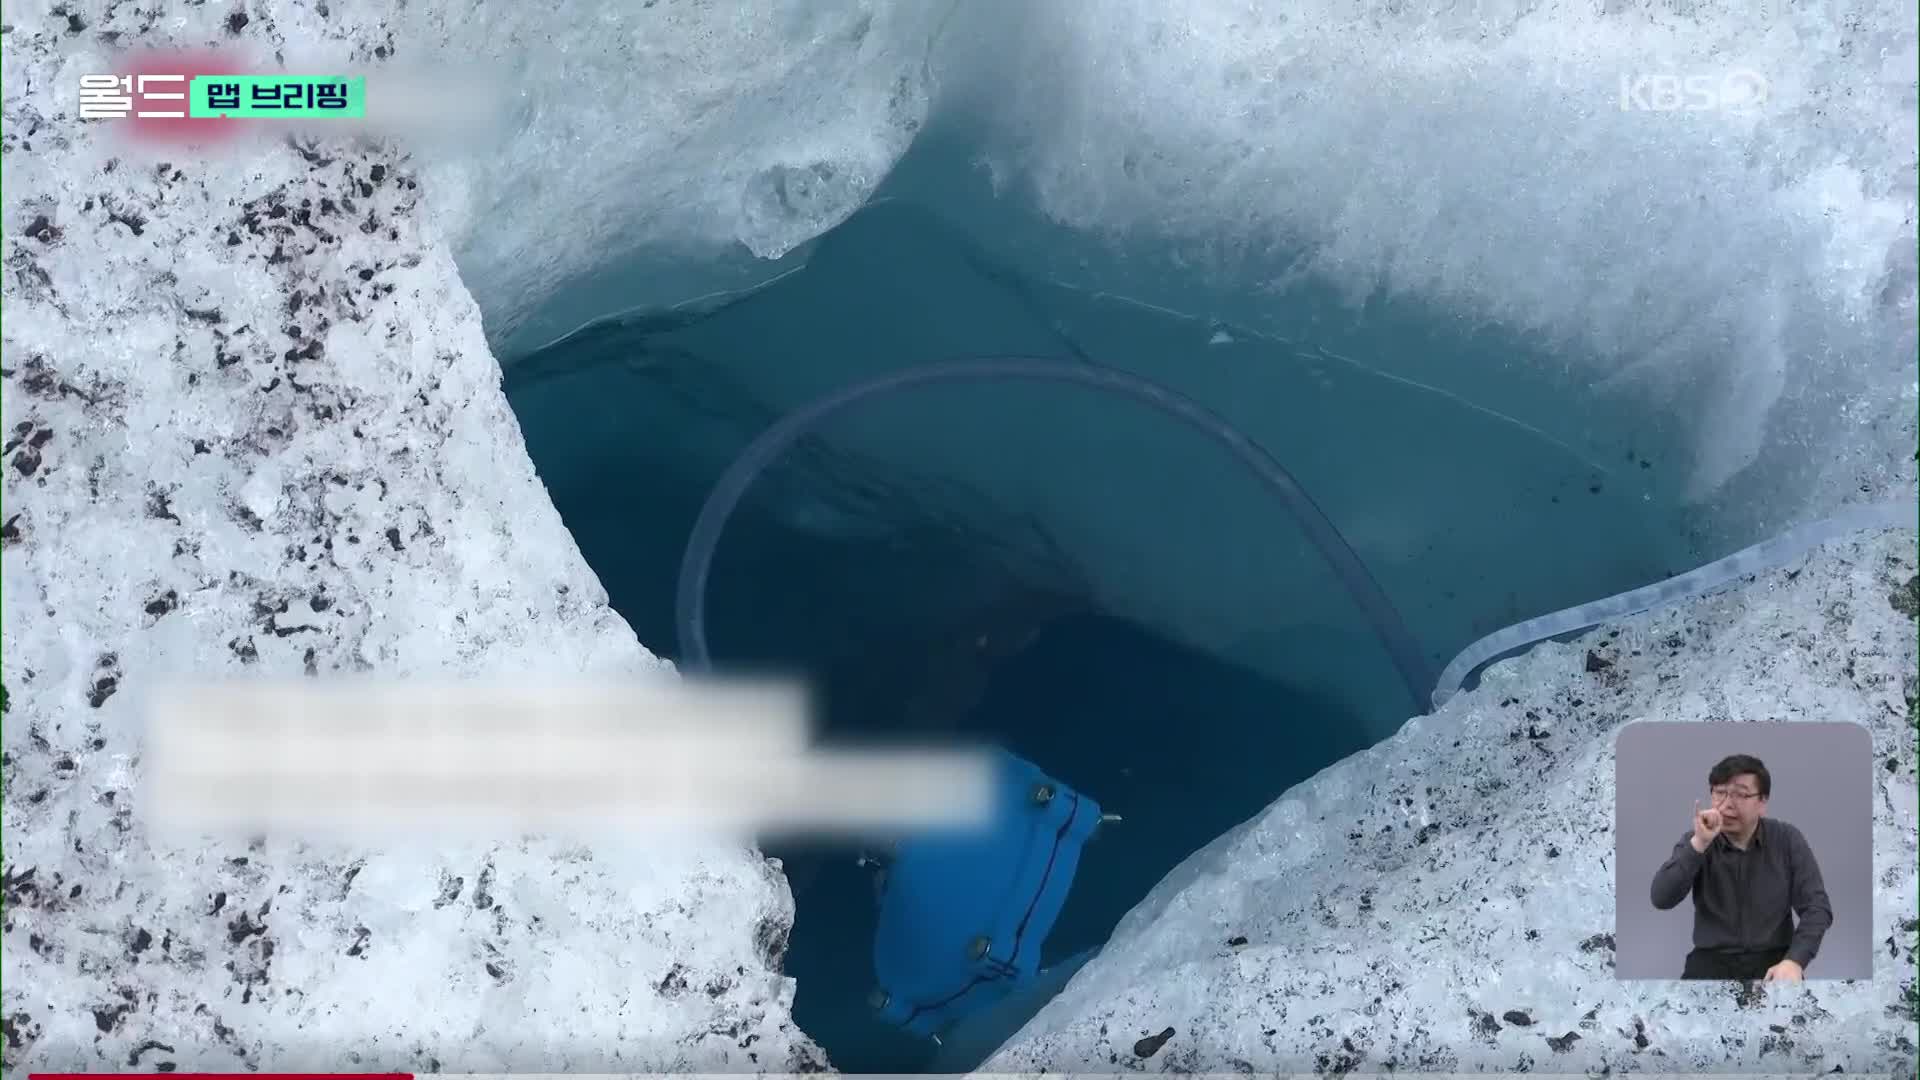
{"x":1766,"y":555}
{"x":690,"y":597}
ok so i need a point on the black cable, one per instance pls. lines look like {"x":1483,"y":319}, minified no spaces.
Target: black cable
{"x":690,"y":599}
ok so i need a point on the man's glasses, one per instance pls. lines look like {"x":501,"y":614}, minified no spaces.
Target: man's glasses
{"x":1733,"y":795}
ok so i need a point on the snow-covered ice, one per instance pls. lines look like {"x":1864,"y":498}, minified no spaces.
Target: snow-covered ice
{"x":1444,"y":901}
{"x":253,"y":426}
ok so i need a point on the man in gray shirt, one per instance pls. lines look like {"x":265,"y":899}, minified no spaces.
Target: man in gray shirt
{"x":1749,"y":875}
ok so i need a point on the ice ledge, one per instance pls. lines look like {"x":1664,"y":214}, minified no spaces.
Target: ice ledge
{"x":252,"y":426}
{"x":1444,"y":900}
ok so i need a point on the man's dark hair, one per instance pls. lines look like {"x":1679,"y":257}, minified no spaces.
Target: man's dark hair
{"x":1741,"y":764}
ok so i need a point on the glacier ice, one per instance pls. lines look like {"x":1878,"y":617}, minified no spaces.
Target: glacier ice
{"x":184,"y":494}
{"x":1395,"y":911}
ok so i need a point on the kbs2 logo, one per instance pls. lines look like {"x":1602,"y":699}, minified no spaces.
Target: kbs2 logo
{"x":1734,"y":91}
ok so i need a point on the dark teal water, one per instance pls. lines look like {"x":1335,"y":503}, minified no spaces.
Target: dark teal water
{"x":887,"y":623}
{"x":1081,"y":579}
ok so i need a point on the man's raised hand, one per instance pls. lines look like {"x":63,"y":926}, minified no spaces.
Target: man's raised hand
{"x":1706,"y":826}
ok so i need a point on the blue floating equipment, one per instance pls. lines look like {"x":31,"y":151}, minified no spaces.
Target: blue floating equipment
{"x":968,"y":1044}
{"x":963,"y":914}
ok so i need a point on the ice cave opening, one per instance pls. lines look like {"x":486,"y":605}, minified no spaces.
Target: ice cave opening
{"x":1068,"y":575}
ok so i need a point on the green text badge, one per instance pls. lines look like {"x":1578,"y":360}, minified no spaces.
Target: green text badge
{"x":304,"y":96}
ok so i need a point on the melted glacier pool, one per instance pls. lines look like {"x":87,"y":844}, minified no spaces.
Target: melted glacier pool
{"x":1073,"y":576}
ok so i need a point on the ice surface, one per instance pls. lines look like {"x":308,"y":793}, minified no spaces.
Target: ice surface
{"x":690,"y":130}
{"x":1759,"y":263}
{"x":1755,"y":267}
{"x":1397,"y":907}
{"x":253,"y":426}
